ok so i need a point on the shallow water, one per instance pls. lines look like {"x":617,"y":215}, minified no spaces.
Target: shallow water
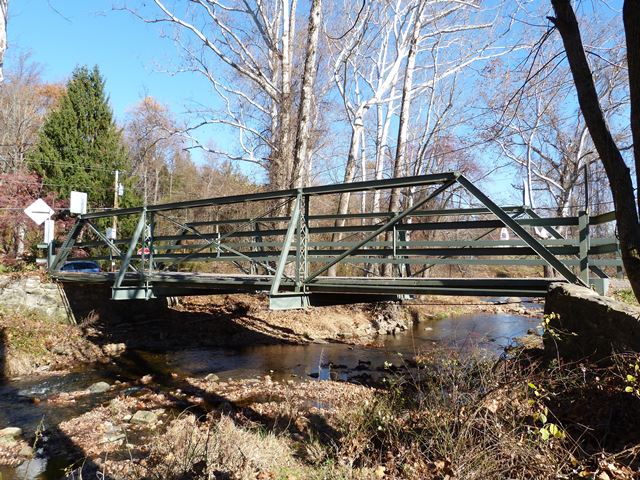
{"x":487,"y":333}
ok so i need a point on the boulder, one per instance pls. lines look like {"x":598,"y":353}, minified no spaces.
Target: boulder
{"x":13,"y":432}
{"x":99,"y":387}
{"x":582,"y":323}
{"x":144,"y":417}
{"x":10,"y":436}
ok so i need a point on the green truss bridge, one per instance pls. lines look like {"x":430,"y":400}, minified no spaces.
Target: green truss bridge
{"x":279,"y":243}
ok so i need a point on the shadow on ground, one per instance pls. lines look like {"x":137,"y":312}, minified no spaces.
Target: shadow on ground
{"x":153,"y":325}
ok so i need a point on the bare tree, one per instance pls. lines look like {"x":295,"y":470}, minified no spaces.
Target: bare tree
{"x":4,"y":14}
{"x":154,"y":144}
{"x":542,"y":134}
{"x":247,"y":50}
{"x":619,"y":174}
{"x":298,"y":177}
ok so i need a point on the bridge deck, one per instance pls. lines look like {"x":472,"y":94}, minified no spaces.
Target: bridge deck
{"x":183,"y":283}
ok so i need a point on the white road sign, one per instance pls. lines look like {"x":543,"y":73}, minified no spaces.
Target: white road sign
{"x":39,"y":211}
{"x":78,"y":203}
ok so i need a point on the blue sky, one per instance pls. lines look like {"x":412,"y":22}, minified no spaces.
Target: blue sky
{"x":132,"y":56}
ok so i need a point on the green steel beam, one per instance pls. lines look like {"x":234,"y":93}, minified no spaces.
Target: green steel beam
{"x":521,"y":232}
{"x":423,"y":226}
{"x":358,"y":216}
{"x":419,"y":180}
{"x":132,"y":247}
{"x":288,"y":239}
{"x":603,"y":218}
{"x":385,"y":227}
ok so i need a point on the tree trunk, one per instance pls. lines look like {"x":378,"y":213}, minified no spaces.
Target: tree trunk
{"x":285,"y":157}
{"x":403,"y":128}
{"x":617,"y":171}
{"x":631,"y":18}
{"x":306,"y":95}
{"x":349,"y":174}
{"x":4,"y":6}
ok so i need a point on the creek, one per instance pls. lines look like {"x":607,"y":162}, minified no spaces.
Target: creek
{"x":23,"y":401}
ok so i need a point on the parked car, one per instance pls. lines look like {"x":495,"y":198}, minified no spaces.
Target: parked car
{"x":84,"y":266}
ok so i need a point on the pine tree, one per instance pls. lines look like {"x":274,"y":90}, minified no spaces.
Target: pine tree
{"x":80,"y":146}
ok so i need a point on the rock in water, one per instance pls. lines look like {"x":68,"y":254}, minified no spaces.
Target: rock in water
{"x":10,"y":435}
{"x":114,"y":349}
{"x":99,"y":387}
{"x":13,"y":432}
{"x":144,"y":417}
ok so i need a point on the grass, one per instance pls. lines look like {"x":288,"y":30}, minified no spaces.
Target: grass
{"x":30,"y":340}
{"x":626,"y":295}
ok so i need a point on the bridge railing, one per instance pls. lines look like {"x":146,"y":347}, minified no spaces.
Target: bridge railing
{"x":292,"y":242}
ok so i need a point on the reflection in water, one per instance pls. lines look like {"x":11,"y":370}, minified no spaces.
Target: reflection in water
{"x":467,"y":333}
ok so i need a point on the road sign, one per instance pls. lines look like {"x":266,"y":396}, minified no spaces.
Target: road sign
{"x":78,"y":203}
{"x":39,"y":211}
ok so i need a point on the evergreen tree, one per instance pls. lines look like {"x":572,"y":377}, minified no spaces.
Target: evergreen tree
{"x":80,"y":147}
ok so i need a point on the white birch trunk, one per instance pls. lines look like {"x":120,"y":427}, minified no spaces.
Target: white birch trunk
{"x":286,"y":154}
{"x":306,"y":103}
{"x":4,"y":13}
{"x":399,"y":166}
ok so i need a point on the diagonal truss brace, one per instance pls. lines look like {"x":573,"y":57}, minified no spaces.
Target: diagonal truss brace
{"x":294,"y":223}
{"x":529,"y":239}
{"x":66,"y":246}
{"x":126,"y":261}
{"x":394,"y":220}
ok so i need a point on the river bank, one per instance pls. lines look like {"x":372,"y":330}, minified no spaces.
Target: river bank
{"x":435,"y":415}
{"x":206,"y":378}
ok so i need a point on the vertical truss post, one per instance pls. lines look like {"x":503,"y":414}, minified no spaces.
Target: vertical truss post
{"x":529,"y":239}
{"x":394,"y":245}
{"x":583,"y":227}
{"x":298,"y":298}
{"x":132,"y":247}
{"x":152,"y":229}
{"x":252,"y":265}
{"x":67,"y":246}
{"x":302,"y":235}
{"x":402,"y":237}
